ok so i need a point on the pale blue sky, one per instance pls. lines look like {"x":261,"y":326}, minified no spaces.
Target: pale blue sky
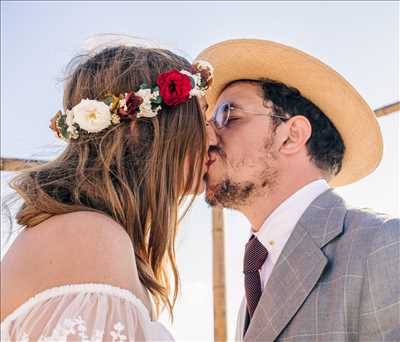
{"x":358,"y":39}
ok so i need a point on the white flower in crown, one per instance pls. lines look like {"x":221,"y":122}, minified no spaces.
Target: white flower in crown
{"x":73,"y":132}
{"x":196,"y":91}
{"x":204,"y":65}
{"x":146,"y":109}
{"x":91,"y":115}
{"x":69,"y":120}
{"x":145,"y":94}
{"x":197,"y":79}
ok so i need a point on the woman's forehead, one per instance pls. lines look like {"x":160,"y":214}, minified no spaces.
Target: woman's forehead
{"x":203,"y":105}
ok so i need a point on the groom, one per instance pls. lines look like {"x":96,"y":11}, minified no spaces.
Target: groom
{"x":284,"y":129}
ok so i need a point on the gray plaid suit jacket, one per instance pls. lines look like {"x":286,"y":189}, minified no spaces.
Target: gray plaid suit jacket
{"x":337,"y":279}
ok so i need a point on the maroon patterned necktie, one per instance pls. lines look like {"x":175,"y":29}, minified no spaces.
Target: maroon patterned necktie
{"x":254,"y":257}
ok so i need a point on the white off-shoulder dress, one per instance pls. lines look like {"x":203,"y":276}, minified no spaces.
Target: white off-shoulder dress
{"x":83,"y":312}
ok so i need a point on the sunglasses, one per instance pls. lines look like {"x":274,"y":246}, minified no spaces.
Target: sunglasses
{"x":220,"y":117}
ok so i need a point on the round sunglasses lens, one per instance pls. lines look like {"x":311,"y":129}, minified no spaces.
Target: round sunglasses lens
{"x":221,"y":115}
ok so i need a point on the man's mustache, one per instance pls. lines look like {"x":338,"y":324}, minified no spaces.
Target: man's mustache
{"x":218,"y":150}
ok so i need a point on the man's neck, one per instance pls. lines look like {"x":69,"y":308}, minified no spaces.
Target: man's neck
{"x":262,"y":207}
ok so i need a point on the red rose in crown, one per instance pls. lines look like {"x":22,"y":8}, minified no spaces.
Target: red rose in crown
{"x":174,"y":87}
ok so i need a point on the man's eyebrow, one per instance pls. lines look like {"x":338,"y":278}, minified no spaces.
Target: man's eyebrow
{"x":235,"y":105}
{"x":232,"y":103}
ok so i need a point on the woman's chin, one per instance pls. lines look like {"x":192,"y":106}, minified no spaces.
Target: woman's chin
{"x":200,"y":190}
{"x":202,"y":187}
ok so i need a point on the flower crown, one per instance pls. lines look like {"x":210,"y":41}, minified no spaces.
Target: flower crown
{"x":173,"y":88}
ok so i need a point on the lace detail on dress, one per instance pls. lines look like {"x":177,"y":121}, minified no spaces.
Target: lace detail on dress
{"x":85,"y":313}
{"x":77,"y":327}
{"x":67,"y":289}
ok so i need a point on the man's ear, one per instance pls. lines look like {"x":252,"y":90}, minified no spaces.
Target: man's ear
{"x":297,"y":132}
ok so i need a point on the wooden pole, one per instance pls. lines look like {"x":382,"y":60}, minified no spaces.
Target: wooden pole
{"x":14,"y":164}
{"x":219,"y":293}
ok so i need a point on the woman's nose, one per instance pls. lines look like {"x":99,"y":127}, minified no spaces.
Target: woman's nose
{"x":211,"y":134}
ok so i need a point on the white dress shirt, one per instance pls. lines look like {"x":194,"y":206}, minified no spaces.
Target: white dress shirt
{"x":278,"y":227}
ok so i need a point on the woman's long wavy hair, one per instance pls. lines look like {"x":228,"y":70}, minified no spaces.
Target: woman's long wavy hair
{"x":134,"y":172}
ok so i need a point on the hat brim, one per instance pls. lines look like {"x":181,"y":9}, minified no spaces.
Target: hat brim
{"x":255,"y":59}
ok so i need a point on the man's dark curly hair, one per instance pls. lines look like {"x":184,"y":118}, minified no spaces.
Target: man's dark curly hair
{"x":325,"y":146}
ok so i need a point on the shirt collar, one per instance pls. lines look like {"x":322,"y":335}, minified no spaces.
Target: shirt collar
{"x":278,"y":227}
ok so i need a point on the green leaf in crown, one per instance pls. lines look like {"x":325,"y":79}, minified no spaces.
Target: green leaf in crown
{"x":108,"y":100}
{"x":192,"y":81}
{"x":62,"y":125}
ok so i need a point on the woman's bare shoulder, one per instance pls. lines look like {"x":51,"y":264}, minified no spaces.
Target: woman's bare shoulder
{"x":79,"y":237}
{"x":74,"y":248}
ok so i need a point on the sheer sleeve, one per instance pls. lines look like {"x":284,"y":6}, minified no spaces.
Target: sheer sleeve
{"x":89,"y":312}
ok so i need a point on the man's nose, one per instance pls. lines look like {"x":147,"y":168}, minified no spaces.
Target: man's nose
{"x":212,"y":138}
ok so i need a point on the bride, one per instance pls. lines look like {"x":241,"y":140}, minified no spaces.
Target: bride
{"x":95,"y":258}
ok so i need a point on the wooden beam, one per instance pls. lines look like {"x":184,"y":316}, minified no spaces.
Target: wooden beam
{"x":219,"y":291}
{"x":14,"y":164}
{"x":393,"y":107}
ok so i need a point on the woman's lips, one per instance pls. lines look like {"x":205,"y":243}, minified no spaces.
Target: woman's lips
{"x":210,"y":162}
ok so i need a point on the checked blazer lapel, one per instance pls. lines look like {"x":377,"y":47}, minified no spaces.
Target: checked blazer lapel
{"x":298,"y":268}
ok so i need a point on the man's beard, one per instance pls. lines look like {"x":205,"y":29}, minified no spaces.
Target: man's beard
{"x":231,"y":194}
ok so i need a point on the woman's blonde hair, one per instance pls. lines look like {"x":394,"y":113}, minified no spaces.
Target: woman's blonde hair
{"x":133,"y":172}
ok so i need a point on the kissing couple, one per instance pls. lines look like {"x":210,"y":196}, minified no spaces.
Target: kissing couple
{"x":261,"y":128}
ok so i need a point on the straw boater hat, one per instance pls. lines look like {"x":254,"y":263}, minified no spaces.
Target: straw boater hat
{"x":255,"y":59}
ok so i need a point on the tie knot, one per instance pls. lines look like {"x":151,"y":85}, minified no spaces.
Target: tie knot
{"x":254,"y":255}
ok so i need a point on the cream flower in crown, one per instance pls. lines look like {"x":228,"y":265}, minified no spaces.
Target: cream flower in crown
{"x":92,"y":116}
